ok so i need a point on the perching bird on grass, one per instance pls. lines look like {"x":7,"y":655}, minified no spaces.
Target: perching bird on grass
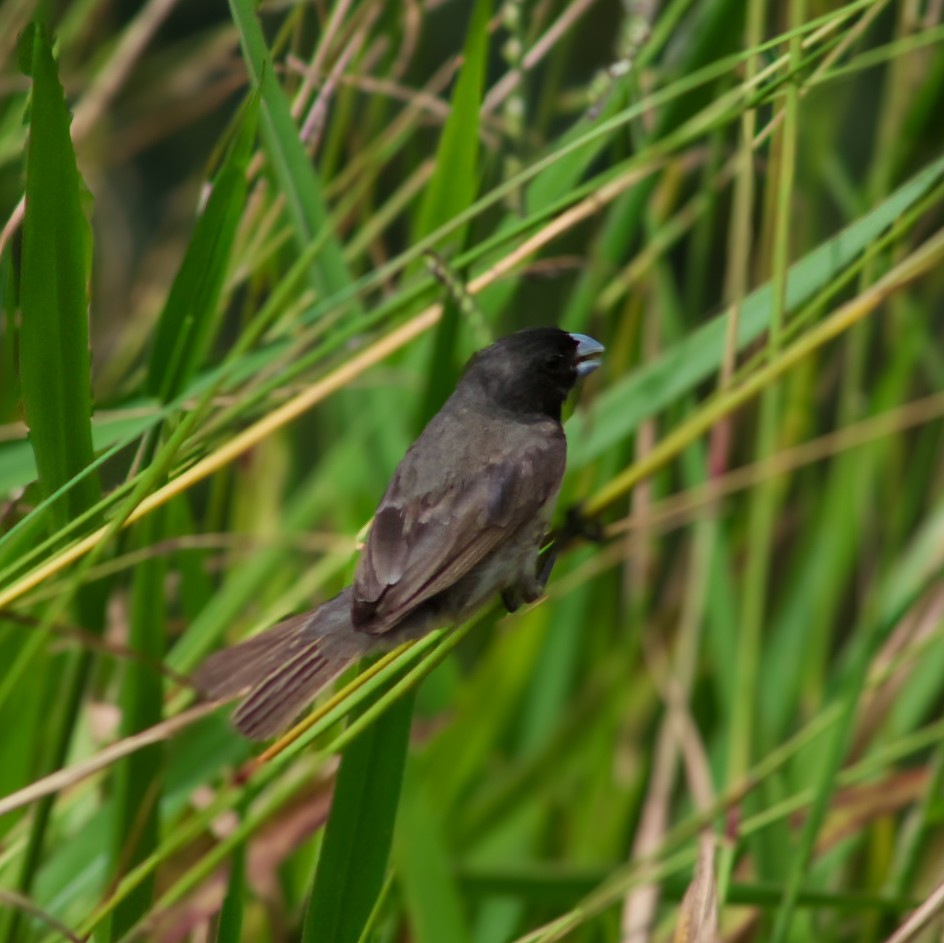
{"x":462,"y":521}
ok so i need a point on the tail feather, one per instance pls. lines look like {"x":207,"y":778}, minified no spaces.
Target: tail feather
{"x":277,"y":701}
{"x":236,"y":670}
{"x":284,"y":668}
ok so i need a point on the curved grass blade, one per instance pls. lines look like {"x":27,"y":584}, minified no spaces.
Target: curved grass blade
{"x":290,"y":164}
{"x":454,"y":182}
{"x":451,"y":191}
{"x":185,"y":327}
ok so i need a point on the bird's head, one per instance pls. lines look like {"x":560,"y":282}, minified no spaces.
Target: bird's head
{"x":532,"y":371}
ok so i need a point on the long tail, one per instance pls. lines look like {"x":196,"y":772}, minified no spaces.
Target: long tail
{"x":284,"y":667}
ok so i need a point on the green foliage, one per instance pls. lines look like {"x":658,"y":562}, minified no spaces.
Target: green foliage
{"x":54,"y":276}
{"x":359,"y":832}
{"x":743,"y":201}
{"x":454,"y":182}
{"x":185,"y":329}
{"x":55,"y":387}
{"x":288,"y":161}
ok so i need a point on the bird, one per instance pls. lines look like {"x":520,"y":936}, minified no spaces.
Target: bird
{"x":462,"y":522}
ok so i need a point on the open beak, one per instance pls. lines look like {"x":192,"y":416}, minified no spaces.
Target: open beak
{"x":588,"y":354}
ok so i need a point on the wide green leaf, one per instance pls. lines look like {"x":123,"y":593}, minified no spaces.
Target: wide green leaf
{"x":360,"y":830}
{"x":55,"y":370}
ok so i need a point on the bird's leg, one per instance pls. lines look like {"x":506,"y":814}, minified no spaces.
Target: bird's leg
{"x":511,"y":599}
{"x":530,"y":587}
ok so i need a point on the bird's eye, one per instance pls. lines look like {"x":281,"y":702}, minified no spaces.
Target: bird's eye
{"x":553,"y":360}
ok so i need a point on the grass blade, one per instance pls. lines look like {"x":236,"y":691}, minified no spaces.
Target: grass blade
{"x":54,"y":341}
{"x":620,"y":409}
{"x":185,"y":327}
{"x":455,"y":179}
{"x":56,"y":385}
{"x":291,"y":167}
{"x":359,"y":832}
{"x":139,"y":778}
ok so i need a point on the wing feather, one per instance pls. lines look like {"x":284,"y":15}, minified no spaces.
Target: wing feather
{"x":422,"y":543}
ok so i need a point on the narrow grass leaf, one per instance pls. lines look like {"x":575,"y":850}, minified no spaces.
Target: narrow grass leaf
{"x":359,"y":832}
{"x":453,"y":185}
{"x":56,"y":389}
{"x":139,"y":778}
{"x":187,"y":323}
{"x":290,"y":164}
{"x":229,"y":928}
{"x":619,"y":410}
{"x":451,"y":191}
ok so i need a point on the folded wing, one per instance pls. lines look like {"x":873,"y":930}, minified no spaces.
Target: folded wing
{"x":421,"y":543}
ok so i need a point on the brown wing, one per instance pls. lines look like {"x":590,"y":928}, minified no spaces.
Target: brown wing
{"x":421,"y":544}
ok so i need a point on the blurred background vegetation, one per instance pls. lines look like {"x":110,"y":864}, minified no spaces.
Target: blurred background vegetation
{"x":291,"y":224}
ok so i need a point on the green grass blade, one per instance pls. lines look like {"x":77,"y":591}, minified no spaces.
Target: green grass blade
{"x":230,"y":925}
{"x":139,"y":778}
{"x":619,"y":410}
{"x":451,"y":191}
{"x":187,"y":323}
{"x":54,"y":341}
{"x":359,"y":832}
{"x":291,"y":167}
{"x":453,"y":185}
{"x":56,"y":389}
